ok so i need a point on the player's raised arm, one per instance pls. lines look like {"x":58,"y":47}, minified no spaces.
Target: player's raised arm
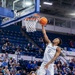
{"x":45,"y":35}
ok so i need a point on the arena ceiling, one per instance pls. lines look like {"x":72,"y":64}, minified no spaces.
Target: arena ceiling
{"x":63,"y":8}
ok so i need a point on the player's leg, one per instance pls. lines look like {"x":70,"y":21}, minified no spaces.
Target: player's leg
{"x":50,"y":70}
{"x":41,"y":70}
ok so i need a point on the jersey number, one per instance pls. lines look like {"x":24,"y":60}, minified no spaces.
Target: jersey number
{"x":49,"y":50}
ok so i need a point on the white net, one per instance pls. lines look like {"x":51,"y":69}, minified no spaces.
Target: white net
{"x":30,"y":23}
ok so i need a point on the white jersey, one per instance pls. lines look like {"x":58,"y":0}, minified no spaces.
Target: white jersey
{"x":49,"y":52}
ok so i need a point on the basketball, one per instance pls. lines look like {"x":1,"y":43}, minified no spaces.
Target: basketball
{"x":43,"y":21}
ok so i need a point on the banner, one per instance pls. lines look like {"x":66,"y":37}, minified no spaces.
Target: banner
{"x":71,"y":49}
{"x":69,"y":53}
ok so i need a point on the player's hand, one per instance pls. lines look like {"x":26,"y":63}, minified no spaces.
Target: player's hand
{"x":46,"y":66}
{"x":42,"y":25}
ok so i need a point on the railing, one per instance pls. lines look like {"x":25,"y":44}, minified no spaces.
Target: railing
{"x":60,"y":21}
{"x":24,"y":57}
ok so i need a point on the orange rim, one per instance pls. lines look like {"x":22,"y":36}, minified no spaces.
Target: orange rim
{"x":35,"y":17}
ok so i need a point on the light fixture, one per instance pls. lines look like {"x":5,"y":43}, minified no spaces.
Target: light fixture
{"x":28,"y":3}
{"x":40,"y":5}
{"x":73,"y":14}
{"x":48,"y":3}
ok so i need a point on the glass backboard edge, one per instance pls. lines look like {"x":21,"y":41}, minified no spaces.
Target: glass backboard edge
{"x":37,"y":6}
{"x":37,"y":10}
{"x":15,"y":20}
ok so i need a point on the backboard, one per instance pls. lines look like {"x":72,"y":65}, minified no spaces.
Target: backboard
{"x":20,"y":9}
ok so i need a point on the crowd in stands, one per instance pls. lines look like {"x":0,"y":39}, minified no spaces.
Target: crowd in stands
{"x":66,"y":68}
{"x":10,"y":66}
{"x":8,"y":47}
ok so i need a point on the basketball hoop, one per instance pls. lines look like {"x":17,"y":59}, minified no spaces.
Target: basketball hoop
{"x":30,"y":23}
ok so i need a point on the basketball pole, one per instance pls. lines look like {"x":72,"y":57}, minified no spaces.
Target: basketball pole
{"x":3,"y":3}
{"x":14,"y":4}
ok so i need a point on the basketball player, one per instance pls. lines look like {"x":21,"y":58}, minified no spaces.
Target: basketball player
{"x":52,"y":52}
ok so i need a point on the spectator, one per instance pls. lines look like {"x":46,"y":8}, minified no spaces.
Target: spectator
{"x":10,"y":62}
{"x":13,"y":49}
{"x":43,"y":46}
{"x":71,"y":64}
{"x":28,"y":46}
{"x":39,"y":63}
{"x":23,"y":72}
{"x":17,"y":47}
{"x":34,"y":65}
{"x":32,"y":73}
{"x":64,"y":71}
{"x":6,"y":71}
{"x":33,"y":48}
{"x":13,"y":69}
{"x":14,"y":62}
{"x":40,"y":39}
{"x":25,"y":49}
{"x":55,"y":70}
{"x":18,"y":73}
{"x":2,"y":57}
{"x":4,"y":63}
{"x":18,"y":67}
{"x":40,"y":51}
{"x":29,"y":66}
{"x":21,"y":52}
{"x":8,"y":43}
{"x":73,"y":72}
{"x":71,"y":43}
{"x":70,"y":72}
{"x":6,"y":40}
{"x":4,"y":47}
{"x":59,"y":66}
{"x":6,"y":55}
{"x":17,"y":52}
